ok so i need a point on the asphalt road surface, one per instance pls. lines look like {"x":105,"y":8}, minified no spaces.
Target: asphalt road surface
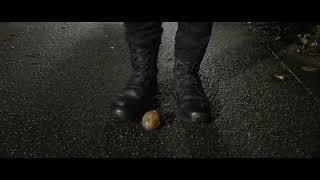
{"x":58,"y":80}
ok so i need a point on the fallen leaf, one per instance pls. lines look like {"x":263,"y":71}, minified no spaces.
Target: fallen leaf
{"x":308,"y":68}
{"x":313,"y":44}
{"x":281,"y":77}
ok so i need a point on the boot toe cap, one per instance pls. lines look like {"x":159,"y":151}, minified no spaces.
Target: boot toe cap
{"x":195,"y":113}
{"x":124,"y":114}
{"x":197,"y":117}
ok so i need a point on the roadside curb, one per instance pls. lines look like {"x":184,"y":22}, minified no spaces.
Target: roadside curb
{"x":284,"y":65}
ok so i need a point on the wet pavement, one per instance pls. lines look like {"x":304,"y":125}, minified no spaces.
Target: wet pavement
{"x":59,"y":79}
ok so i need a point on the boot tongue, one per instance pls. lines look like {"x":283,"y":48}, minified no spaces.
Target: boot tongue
{"x":138,"y":83}
{"x":141,"y":78}
{"x":190,"y":81}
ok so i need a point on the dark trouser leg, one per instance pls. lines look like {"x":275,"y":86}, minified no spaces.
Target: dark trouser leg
{"x":143,"y":39}
{"x":191,"y":42}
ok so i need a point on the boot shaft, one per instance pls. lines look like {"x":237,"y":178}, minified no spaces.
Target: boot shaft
{"x":191,"y":43}
{"x":143,"y":40}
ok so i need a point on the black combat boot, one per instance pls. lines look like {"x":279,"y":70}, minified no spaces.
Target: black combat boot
{"x":143,"y":40}
{"x":191,"y":43}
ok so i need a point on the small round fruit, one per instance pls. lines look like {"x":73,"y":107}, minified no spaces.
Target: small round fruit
{"x":151,"y":120}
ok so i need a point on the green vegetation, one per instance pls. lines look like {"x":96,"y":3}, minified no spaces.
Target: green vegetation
{"x":310,"y":39}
